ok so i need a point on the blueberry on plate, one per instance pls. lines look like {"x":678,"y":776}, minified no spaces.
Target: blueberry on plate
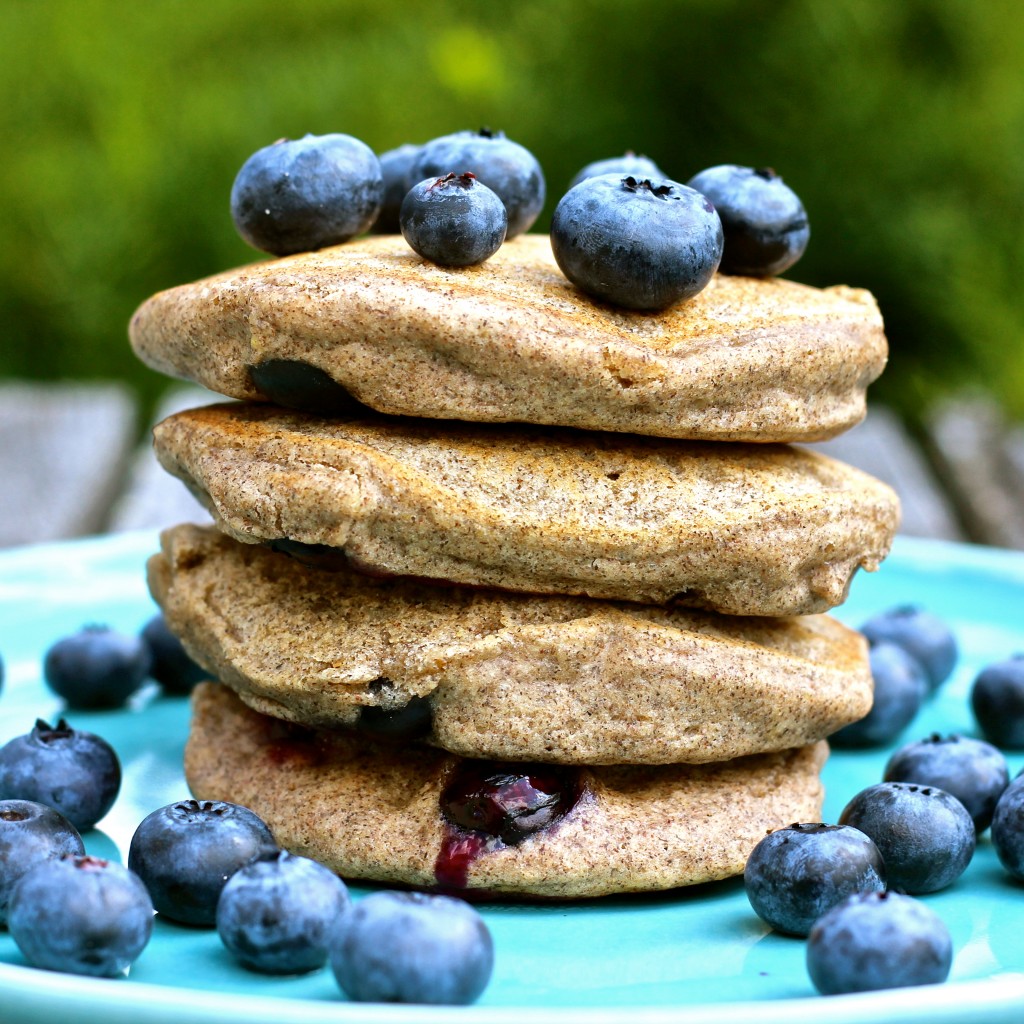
{"x":876,"y":941}
{"x":396,"y":168}
{"x":31,"y":833}
{"x":900,"y":687}
{"x":185,"y":852}
{"x":796,"y":873}
{"x":81,"y":915}
{"x":170,"y":664}
{"x":276,"y":914}
{"x":971,"y":770}
{"x":73,"y":771}
{"x":636,"y":243}
{"x":997,"y":699}
{"x":454,"y":221}
{"x":96,"y":668}
{"x":504,"y":166}
{"x":1008,"y":828}
{"x":925,"y":835}
{"x":921,"y":634}
{"x":630,"y":164}
{"x":410,"y":947}
{"x":297,"y":195}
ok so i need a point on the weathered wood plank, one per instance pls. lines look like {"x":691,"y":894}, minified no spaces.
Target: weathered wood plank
{"x":150,"y":497}
{"x":63,"y":449}
{"x":882,"y":446}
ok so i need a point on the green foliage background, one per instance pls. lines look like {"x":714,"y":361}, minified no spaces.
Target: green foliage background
{"x":901,"y":125}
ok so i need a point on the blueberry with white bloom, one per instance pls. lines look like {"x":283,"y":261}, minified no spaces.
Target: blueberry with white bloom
{"x":170,"y":664}
{"x":81,"y":915}
{"x":629,"y":164}
{"x":454,"y":221}
{"x":796,"y":873}
{"x":875,"y":941}
{"x":96,"y":668}
{"x":997,"y":699}
{"x":972,"y":770}
{"x":925,"y":835}
{"x":277,"y":913}
{"x":396,"y":168}
{"x":1008,"y":828}
{"x":636,"y":243}
{"x":411,"y":947}
{"x":31,"y":833}
{"x":921,"y":634}
{"x":74,"y":771}
{"x":297,"y":195}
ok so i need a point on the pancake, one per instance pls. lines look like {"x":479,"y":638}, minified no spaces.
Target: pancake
{"x":490,"y":675}
{"x":374,"y":812}
{"x":511,"y":340}
{"x":739,"y":529}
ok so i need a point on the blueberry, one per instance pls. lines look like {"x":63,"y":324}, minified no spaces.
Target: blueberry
{"x":504,"y":166}
{"x":81,"y":915}
{"x":455,"y":221}
{"x":877,"y":941}
{"x":765,"y":224}
{"x":29,"y":834}
{"x":900,"y":686}
{"x":639,"y":244}
{"x":170,"y":664}
{"x":997,"y":698}
{"x":73,"y":771}
{"x":296,"y":195}
{"x":925,"y":836}
{"x":410,"y":947}
{"x":971,"y":770}
{"x":396,"y":168}
{"x":627,"y":165}
{"x":508,"y":801}
{"x":185,"y":853}
{"x":919,"y":633}
{"x":96,"y":668}
{"x":795,"y":874}
{"x":277,"y":913}
{"x":1008,"y":828}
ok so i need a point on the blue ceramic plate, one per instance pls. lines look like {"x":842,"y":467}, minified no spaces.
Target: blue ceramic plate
{"x":696,"y":955}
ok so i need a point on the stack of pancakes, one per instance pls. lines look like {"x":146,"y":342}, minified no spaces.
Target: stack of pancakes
{"x":510,"y":591}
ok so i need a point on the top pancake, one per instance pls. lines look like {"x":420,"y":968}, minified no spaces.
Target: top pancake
{"x":512,"y":340}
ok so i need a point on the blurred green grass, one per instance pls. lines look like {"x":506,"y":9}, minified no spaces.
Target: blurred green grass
{"x":900,"y":125}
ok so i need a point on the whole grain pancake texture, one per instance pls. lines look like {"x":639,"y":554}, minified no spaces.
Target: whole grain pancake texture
{"x":511,"y":340}
{"x":737,"y":528}
{"x":504,"y":676}
{"x":371,"y":811}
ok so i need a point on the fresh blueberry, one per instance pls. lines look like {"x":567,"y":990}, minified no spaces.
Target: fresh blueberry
{"x":508,"y":801}
{"x":795,"y":874}
{"x":29,"y":834}
{"x":765,"y":224}
{"x":628,"y":165}
{"x":638,"y":244}
{"x":296,"y":195}
{"x":277,"y":913}
{"x":410,"y":947}
{"x":504,"y":166}
{"x":900,"y":686}
{"x":997,"y":698}
{"x":396,"y":168}
{"x":96,"y":668}
{"x":185,"y":853}
{"x":455,"y":221}
{"x":73,"y":771}
{"x":925,"y":836}
{"x":1008,"y":828}
{"x":971,"y":770}
{"x":919,"y":633}
{"x":170,"y":664}
{"x":81,"y":915}
{"x":877,"y":941}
